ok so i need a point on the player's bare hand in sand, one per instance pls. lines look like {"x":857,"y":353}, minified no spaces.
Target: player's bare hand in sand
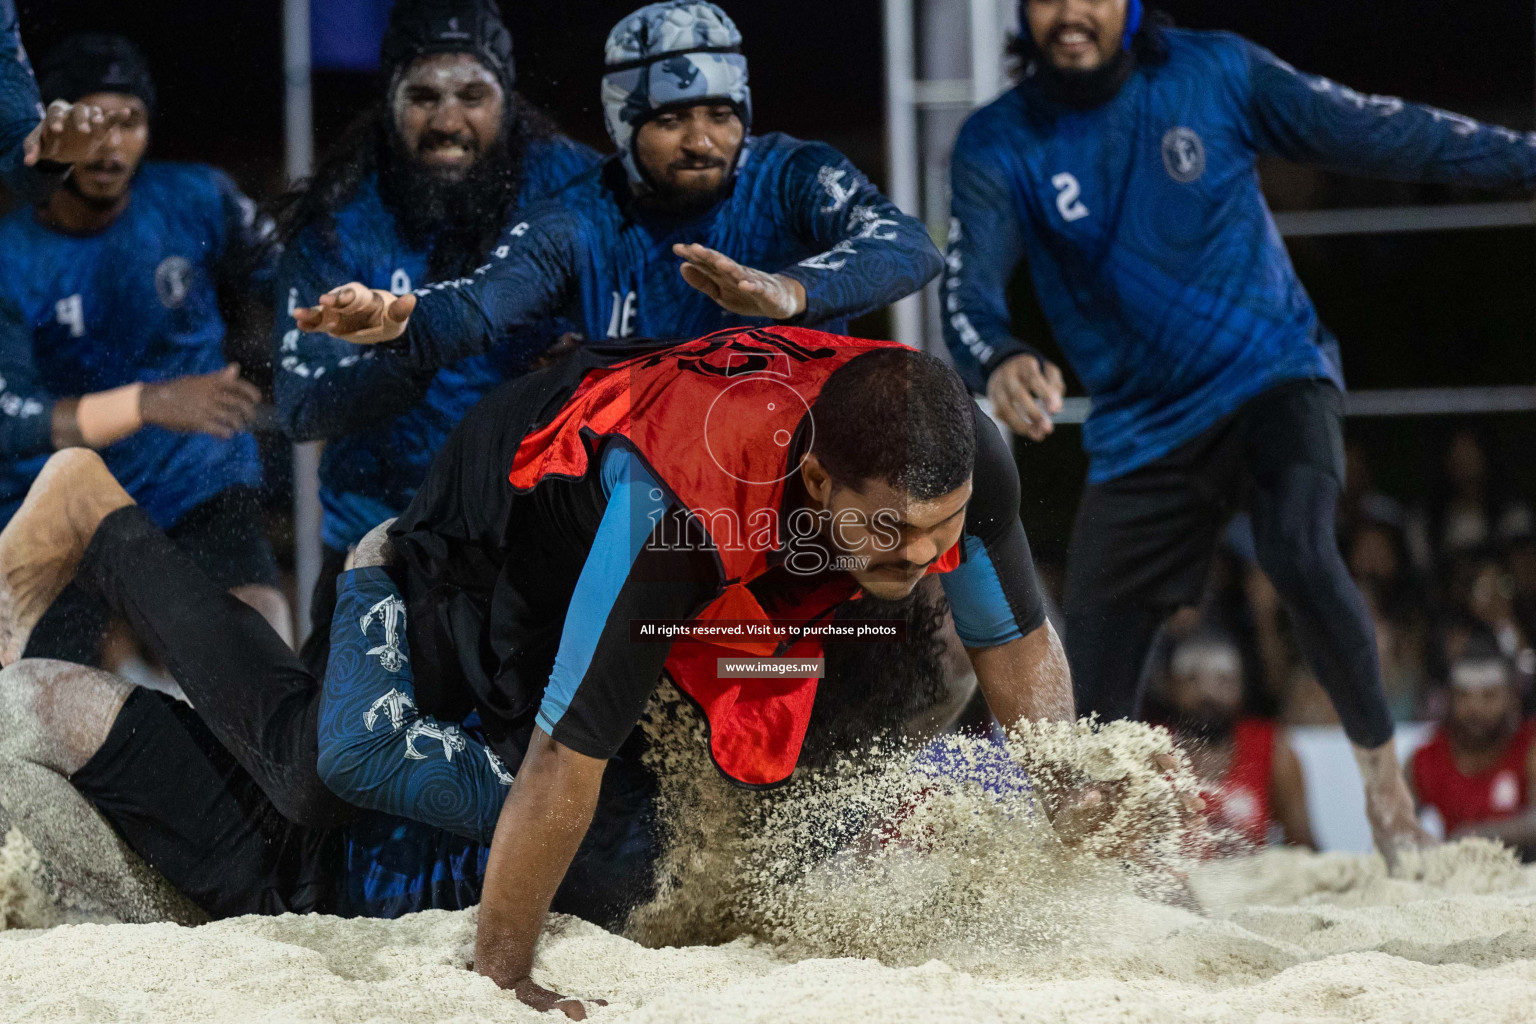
{"x":543,"y":1000}
{"x":1084,"y":816}
{"x":71,"y":132}
{"x":740,"y":289}
{"x":219,"y":404}
{"x":1027,"y":391}
{"x":359,"y":314}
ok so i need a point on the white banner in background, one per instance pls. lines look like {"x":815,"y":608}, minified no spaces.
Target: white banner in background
{"x":1335,"y":798}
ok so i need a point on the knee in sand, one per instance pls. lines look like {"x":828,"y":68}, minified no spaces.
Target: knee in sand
{"x":56,"y":714}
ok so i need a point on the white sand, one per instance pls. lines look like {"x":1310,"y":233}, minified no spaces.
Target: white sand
{"x":1376,"y":951}
{"x":1288,"y":937}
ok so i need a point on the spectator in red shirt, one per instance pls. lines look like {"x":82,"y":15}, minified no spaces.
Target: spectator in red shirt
{"x":1253,"y":779}
{"x":1479,"y":768}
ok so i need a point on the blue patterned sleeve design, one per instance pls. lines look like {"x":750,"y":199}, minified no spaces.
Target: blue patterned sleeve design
{"x":1310,"y":119}
{"x":530,"y":274}
{"x":986,"y":246}
{"x":20,"y":110}
{"x":249,"y":256}
{"x":376,"y":748}
{"x":26,"y":410}
{"x":873,"y":254}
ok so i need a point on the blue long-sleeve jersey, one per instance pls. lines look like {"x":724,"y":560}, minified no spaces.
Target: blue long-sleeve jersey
{"x":797,"y":208}
{"x":383,"y":421}
{"x":136,"y":302}
{"x":20,"y":110}
{"x":1148,"y":240}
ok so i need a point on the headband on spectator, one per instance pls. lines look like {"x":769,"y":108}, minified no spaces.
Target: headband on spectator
{"x":1479,"y":675}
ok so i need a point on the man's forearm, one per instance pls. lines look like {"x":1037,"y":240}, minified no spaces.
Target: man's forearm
{"x":1026,"y":679}
{"x":542,"y":824}
{"x":1517,"y":831}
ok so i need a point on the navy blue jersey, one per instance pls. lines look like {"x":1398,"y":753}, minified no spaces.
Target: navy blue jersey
{"x":136,"y":302}
{"x":382,"y":421}
{"x":20,"y":108}
{"x":391,"y":867}
{"x":1148,"y":240}
{"x":798,"y":208}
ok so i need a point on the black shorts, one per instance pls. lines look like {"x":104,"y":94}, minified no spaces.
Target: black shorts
{"x":184,"y":805}
{"x":225,"y":535}
{"x":1147,"y":538}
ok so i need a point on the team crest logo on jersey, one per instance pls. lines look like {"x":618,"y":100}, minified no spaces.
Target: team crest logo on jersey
{"x":173,"y":280}
{"x":1183,"y":155}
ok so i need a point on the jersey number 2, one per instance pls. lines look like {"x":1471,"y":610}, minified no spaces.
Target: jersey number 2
{"x":1069,"y":197}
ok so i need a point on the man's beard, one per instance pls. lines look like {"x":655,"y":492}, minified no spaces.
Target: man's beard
{"x":1084,"y":89}
{"x":99,"y":204}
{"x":429,"y":205}
{"x":1478,"y":741}
{"x":1207,"y":724}
{"x":688,"y":202}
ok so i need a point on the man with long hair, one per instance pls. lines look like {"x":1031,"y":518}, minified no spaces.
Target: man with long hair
{"x":694,"y":225}
{"x":1122,"y":169}
{"x":416,"y":191}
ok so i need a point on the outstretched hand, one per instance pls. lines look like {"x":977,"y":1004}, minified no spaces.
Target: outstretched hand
{"x":356,"y":313}
{"x":70,"y":133}
{"x":740,"y":289}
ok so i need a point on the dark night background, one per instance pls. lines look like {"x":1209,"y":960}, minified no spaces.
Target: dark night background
{"x":1413,"y":310}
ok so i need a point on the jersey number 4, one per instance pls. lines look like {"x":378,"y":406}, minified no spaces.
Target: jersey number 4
{"x":1069,"y":197}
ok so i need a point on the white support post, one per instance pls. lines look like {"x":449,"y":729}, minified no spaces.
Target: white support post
{"x":986,"y":51}
{"x":300,"y":139}
{"x":901,"y":143}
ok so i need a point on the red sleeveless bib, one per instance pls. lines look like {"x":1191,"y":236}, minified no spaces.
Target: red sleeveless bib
{"x":714,"y":420}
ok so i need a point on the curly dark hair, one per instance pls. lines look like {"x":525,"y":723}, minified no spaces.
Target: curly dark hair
{"x":897,"y":416}
{"x":462,"y":229}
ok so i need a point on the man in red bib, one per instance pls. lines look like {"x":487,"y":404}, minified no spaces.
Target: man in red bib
{"x":748,"y":478}
{"x":1253,"y":778}
{"x":494,"y":648}
{"x":1479,"y":768}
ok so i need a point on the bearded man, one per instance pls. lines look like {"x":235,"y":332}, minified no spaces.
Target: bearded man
{"x":417,"y":191}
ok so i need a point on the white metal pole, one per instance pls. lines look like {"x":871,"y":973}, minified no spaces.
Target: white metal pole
{"x":986,"y":51}
{"x":300,"y":140}
{"x":901,"y":141}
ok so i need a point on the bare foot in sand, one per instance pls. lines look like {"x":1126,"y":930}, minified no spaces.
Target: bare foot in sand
{"x":41,"y":547}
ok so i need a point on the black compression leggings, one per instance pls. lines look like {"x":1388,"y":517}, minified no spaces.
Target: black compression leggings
{"x":1293,"y":520}
{"x":247,"y":685}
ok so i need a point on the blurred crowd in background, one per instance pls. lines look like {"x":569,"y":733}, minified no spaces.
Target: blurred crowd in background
{"x":1449,"y":566}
